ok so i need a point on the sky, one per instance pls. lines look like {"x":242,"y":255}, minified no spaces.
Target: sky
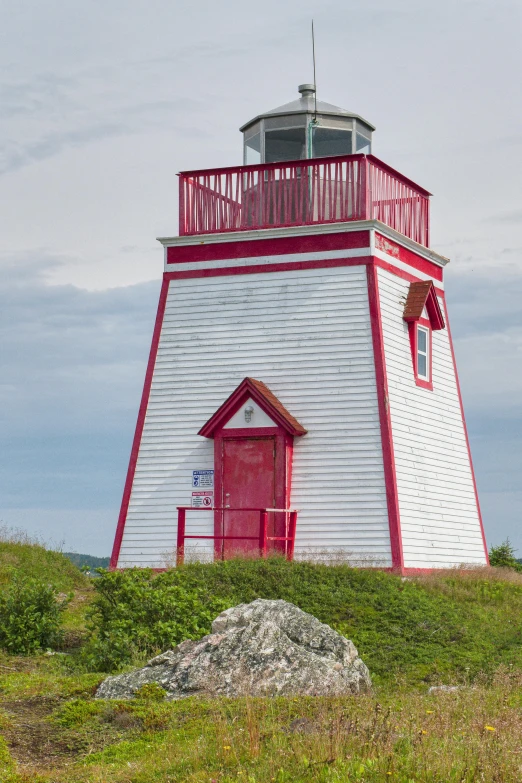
{"x":102,"y":103}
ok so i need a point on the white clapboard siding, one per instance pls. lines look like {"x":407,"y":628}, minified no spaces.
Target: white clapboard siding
{"x":439,"y":517}
{"x":307,"y":335}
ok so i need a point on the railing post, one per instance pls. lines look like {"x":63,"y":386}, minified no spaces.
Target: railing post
{"x":263,"y":533}
{"x":182,"y":215}
{"x":427,"y":218}
{"x":180,"y":548}
{"x":291,"y":535}
{"x":365,"y":200}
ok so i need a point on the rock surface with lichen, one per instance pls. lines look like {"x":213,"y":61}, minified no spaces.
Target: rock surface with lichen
{"x":265,"y":648}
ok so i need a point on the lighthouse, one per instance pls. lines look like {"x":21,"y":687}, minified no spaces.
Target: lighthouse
{"x":301,"y":394}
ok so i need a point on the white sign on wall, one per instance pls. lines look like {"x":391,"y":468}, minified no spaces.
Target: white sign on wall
{"x":202,"y":500}
{"x":203,"y":479}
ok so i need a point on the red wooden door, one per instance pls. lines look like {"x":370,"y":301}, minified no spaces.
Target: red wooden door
{"x":248,"y":482}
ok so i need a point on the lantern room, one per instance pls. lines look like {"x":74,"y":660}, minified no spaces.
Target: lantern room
{"x":305,"y":128}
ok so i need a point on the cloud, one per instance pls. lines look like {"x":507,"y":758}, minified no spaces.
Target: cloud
{"x":514,"y":216}
{"x":73,"y":360}
{"x":127,"y":120}
{"x":72,"y":372}
{"x":485,"y":306}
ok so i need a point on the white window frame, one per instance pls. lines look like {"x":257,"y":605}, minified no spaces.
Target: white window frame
{"x":426,"y":353}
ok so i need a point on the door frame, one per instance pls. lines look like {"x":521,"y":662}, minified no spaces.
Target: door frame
{"x":284,"y":444}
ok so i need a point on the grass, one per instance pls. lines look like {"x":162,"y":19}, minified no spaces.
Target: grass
{"x":401,"y":735}
{"x":20,"y":553}
{"x":454,"y":627}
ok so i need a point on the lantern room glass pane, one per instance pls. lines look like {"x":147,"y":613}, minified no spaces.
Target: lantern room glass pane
{"x":331,"y":141}
{"x":362,"y":145}
{"x":287,"y":144}
{"x":253,"y":150}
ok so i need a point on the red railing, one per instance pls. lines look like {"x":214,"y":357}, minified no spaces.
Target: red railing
{"x":303,"y":192}
{"x":263,"y":538}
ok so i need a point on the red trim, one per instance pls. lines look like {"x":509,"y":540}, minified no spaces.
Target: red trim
{"x":409,"y":257}
{"x":260,"y":393}
{"x":250,"y":248}
{"x":300,"y":163}
{"x":390,"y":477}
{"x":402,"y":274}
{"x":246,"y":432}
{"x":466,"y":433}
{"x":284,"y":266}
{"x":139,"y":425}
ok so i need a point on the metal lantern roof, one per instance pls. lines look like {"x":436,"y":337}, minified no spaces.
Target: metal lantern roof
{"x":306,"y":104}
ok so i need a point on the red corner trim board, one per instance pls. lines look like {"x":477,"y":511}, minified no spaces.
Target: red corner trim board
{"x":390,"y":478}
{"x":139,"y":425}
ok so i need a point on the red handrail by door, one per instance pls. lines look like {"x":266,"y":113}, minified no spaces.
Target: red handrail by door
{"x":263,"y":537}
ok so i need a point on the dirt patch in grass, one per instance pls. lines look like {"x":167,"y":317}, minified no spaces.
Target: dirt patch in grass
{"x":31,"y":737}
{"x":39,"y":742}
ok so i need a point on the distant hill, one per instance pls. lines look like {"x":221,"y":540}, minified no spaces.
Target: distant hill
{"x":87,"y":560}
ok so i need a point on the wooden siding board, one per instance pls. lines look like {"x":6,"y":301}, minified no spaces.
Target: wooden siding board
{"x":439,"y":517}
{"x":307,"y":335}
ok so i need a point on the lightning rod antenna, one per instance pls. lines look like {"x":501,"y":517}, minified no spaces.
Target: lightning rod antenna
{"x":315,"y":81}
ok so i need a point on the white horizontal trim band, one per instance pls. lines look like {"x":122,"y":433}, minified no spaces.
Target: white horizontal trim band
{"x":230,"y":263}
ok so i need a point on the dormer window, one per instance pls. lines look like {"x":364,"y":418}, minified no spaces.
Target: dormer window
{"x":423,"y":352}
{"x":423,"y":315}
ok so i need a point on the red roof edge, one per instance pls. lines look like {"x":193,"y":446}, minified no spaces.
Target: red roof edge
{"x":266,"y":400}
{"x":422,"y":294}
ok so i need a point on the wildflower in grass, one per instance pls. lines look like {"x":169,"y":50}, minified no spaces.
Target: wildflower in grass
{"x":423,"y":731}
{"x":226,"y":747}
{"x":429,"y":712}
{"x":490,"y":728}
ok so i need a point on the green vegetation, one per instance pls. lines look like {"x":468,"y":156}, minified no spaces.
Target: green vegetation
{"x":503,"y":556}
{"x":30,"y":616}
{"x":459,"y":627}
{"x":452,"y":625}
{"x":19,"y":554}
{"x":136,"y":613}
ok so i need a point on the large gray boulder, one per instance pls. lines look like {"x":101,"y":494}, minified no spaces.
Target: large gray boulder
{"x":265,"y":648}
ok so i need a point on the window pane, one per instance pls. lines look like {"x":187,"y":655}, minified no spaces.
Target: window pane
{"x":422,"y":365}
{"x":253,"y":150}
{"x":362,"y":144}
{"x":331,"y":141}
{"x":422,"y":340}
{"x":287,"y":144}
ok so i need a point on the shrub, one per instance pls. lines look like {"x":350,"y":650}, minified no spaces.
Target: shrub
{"x":30,"y":616}
{"x":137,"y":613}
{"x":503,"y":556}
